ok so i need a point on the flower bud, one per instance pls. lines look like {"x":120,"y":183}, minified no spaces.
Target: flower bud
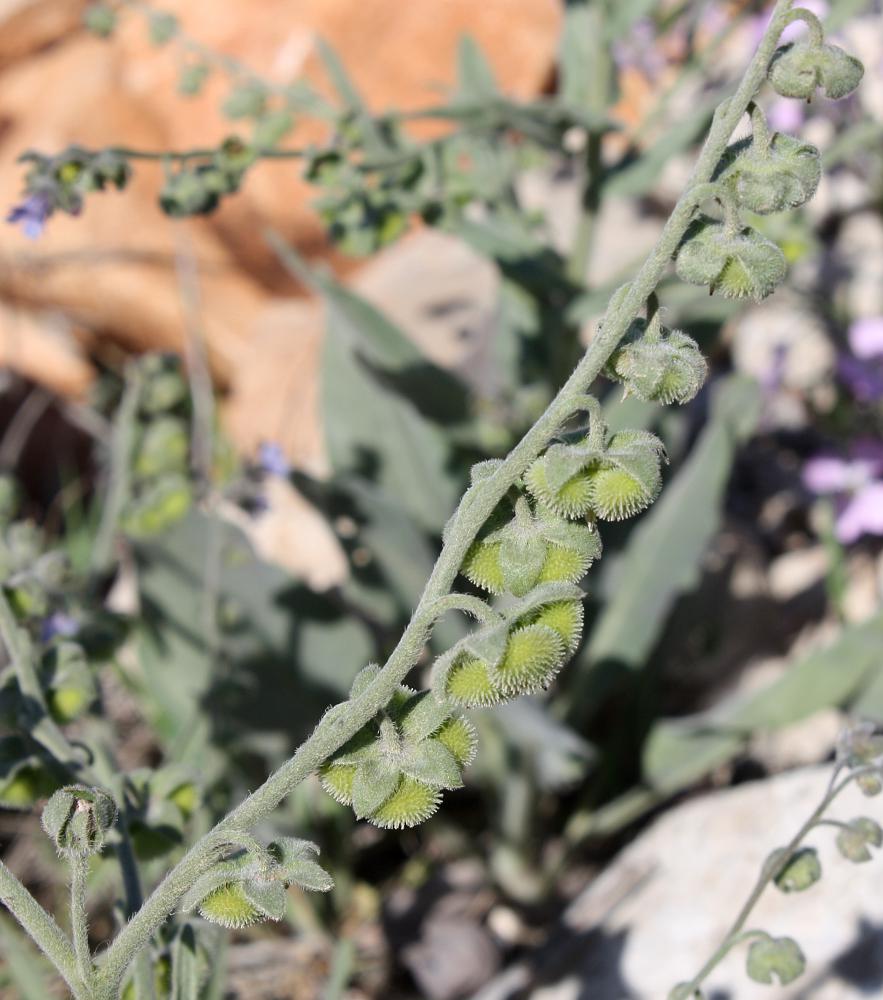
{"x":412,"y":803}
{"x":773,"y":177}
{"x":801,"y":871}
{"x":77,"y":817}
{"x":656,"y":364}
{"x":738,"y":264}
{"x":797,"y":70}
{"x":775,"y":959}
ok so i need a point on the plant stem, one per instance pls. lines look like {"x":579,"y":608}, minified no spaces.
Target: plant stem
{"x":344,"y":721}
{"x":79,"y":919}
{"x":42,"y":929}
{"x":769,"y":874}
{"x":41,"y":725}
{"x":119,"y":473}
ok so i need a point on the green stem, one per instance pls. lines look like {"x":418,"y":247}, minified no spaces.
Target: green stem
{"x":760,"y":127}
{"x":816,"y":30}
{"x":119,"y":472}
{"x":581,"y":250}
{"x":343,"y":722}
{"x":40,"y":724}
{"x":79,"y":919}
{"x":768,"y":874}
{"x":42,"y":930}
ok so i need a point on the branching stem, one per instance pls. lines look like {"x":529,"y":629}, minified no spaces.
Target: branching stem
{"x":477,"y":505}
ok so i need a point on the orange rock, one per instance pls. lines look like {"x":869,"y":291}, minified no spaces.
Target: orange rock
{"x":27,"y":26}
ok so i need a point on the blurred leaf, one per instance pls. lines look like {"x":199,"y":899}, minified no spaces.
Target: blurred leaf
{"x":587,"y":79}
{"x":665,"y":550}
{"x":640,"y":173}
{"x":475,"y":75}
{"x":281,"y":652}
{"x":561,"y":757}
{"x":27,"y":970}
{"x":622,"y":15}
{"x":679,"y":751}
{"x":185,"y":965}
{"x":374,"y":433}
{"x":340,"y":78}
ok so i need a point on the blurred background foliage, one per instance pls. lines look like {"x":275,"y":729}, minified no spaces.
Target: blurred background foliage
{"x":282,"y":499}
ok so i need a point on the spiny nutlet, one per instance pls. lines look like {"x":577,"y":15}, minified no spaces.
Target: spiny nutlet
{"x":738,"y":264}
{"x":798,"y":70}
{"x":612,"y":483}
{"x":666,"y":368}
{"x":394,"y":770}
{"x":771,"y":178}
{"x":531,"y":549}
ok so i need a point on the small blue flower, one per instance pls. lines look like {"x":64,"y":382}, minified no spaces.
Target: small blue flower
{"x":58,"y":625}
{"x":272,"y":460}
{"x":32,"y":214}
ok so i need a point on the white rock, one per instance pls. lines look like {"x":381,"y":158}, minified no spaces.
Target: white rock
{"x":781,"y":334}
{"x":663,"y":905}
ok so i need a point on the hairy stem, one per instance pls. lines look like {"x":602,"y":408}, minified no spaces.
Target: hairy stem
{"x":341,"y":723}
{"x":768,"y":874}
{"x":79,"y":919}
{"x":42,"y":930}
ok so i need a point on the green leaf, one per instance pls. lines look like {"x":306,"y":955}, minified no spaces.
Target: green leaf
{"x":586,"y":65}
{"x":26,"y":968}
{"x":373,"y":432}
{"x":431,"y":763}
{"x":373,"y":784}
{"x":664,"y":554}
{"x":185,"y":965}
{"x":475,"y":75}
{"x":680,"y":751}
{"x":280,"y":655}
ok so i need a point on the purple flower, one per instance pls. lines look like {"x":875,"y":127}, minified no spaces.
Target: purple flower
{"x":866,"y":337}
{"x":786,"y":115}
{"x":863,"y":379}
{"x":58,"y":625}
{"x":272,"y":460}
{"x":32,"y":214}
{"x":856,"y":483}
